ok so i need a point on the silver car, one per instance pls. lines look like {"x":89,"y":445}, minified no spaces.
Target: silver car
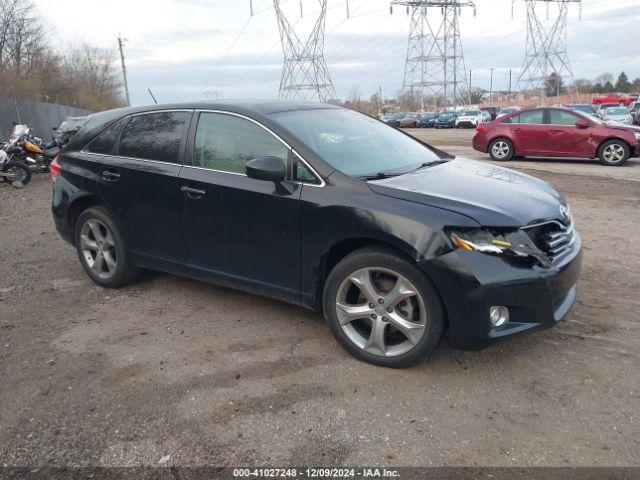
{"x":617,"y":114}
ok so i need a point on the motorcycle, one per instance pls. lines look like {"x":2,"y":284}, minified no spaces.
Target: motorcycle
{"x":23,"y":149}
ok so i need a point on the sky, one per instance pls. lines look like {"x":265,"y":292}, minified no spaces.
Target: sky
{"x":190,"y":49}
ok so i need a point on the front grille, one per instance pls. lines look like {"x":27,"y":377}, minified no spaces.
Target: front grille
{"x":553,"y":238}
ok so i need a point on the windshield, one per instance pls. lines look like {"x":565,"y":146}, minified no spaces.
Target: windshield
{"x":445,"y":115}
{"x":354,"y":143}
{"x":71,"y":123}
{"x":593,"y":118}
{"x":617,"y":111}
{"x":470,"y":113}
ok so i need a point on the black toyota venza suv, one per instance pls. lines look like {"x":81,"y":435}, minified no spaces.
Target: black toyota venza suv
{"x":394,"y":240}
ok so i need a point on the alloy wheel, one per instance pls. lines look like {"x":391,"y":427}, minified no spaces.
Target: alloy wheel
{"x":613,"y":153}
{"x":381,"y":311}
{"x":98,"y":248}
{"x":500,"y":149}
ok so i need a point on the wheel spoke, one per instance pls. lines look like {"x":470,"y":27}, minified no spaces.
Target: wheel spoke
{"x":349,"y":313}
{"x":376,"y":343}
{"x":362,"y":279}
{"x":109,"y":260}
{"x":94,"y":226}
{"x":87,"y":244}
{"x":98,"y":263}
{"x":413,"y":331}
{"x":401,"y":291}
{"x":108,"y":240}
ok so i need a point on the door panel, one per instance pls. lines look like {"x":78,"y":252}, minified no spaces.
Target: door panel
{"x":242,"y":228}
{"x":142,"y":192}
{"x":565,"y":139}
{"x":530,"y":134}
{"x":240,"y":231}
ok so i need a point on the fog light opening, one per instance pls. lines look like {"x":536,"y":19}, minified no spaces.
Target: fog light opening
{"x":498,"y":316}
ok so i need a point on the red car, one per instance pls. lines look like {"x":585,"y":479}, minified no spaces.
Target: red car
{"x":619,"y":98}
{"x":557,"y":132}
{"x":410,"y":121}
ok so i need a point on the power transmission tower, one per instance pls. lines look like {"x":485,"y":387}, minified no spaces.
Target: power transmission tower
{"x":305,"y":75}
{"x":546,"y":53}
{"x":121,"y":42}
{"x":434,"y":67}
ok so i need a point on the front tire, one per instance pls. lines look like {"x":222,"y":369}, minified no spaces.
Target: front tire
{"x":16,"y":172}
{"x":501,"y":150}
{"x":382,"y":309}
{"x":102,"y":250}
{"x":614,"y":153}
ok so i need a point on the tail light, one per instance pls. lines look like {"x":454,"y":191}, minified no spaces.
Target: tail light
{"x":54,"y":168}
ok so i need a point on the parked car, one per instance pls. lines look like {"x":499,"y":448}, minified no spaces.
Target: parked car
{"x":617,"y":114}
{"x":507,"y":111}
{"x":409,"y":121}
{"x":323,"y":207}
{"x":446,"y":120}
{"x":603,"y":106}
{"x":69,"y":125}
{"x":557,"y":132}
{"x":492,"y":111}
{"x":619,"y":98}
{"x":469,"y":118}
{"x":426,"y":119}
{"x":582,"y":107}
{"x":393,"y":119}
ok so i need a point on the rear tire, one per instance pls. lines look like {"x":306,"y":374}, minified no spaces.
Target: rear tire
{"x":501,"y":150}
{"x":382,"y":309}
{"x":102,"y":250}
{"x":614,"y":153}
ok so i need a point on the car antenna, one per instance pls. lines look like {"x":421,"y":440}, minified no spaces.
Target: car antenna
{"x":154,"y":98}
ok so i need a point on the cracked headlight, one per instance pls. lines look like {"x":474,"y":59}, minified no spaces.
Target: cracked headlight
{"x":513,"y":242}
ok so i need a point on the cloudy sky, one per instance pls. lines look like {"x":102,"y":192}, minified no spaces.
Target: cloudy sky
{"x":181,"y":49}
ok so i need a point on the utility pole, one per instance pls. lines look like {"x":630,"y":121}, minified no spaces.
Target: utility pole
{"x":509,"y":85}
{"x":434,"y":65}
{"x":121,"y":41}
{"x":491,"y":86}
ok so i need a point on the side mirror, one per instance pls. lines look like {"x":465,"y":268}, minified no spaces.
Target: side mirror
{"x":583,"y":123}
{"x":271,"y":169}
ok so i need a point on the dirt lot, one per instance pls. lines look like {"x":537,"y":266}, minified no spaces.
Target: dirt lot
{"x":205,"y":375}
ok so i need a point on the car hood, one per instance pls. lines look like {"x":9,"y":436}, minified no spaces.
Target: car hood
{"x":491,"y":195}
{"x":623,"y":126}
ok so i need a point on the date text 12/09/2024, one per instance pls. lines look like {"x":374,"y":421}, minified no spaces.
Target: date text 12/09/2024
{"x":315,"y":473}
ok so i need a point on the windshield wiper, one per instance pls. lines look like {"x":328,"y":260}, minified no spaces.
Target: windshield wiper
{"x":379,"y":176}
{"x":430,"y":164}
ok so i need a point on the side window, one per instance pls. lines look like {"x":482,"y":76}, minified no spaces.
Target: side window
{"x":301,"y":173}
{"x":105,"y":142}
{"x":226,"y":143}
{"x":559,"y":117}
{"x":535,"y":117}
{"x":513,"y":119}
{"x":154,"y":136}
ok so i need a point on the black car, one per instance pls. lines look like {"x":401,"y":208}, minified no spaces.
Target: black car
{"x":446,"y":120}
{"x":393,"y":119}
{"x":426,"y":120}
{"x":395,"y":241}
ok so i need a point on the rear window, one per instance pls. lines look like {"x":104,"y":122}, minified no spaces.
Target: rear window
{"x":155,"y":136}
{"x":105,"y":142}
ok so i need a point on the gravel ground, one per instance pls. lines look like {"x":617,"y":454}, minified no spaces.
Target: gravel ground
{"x":190,"y":373}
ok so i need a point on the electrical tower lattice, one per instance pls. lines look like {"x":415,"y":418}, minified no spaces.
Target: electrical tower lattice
{"x":546,"y":52}
{"x":434,"y":67}
{"x":305,"y":75}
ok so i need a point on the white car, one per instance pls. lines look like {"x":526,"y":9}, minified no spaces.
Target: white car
{"x":617,"y":114}
{"x":470,"y":118}
{"x":507,"y":111}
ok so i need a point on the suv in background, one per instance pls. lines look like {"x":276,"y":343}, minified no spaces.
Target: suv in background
{"x":493,"y":111}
